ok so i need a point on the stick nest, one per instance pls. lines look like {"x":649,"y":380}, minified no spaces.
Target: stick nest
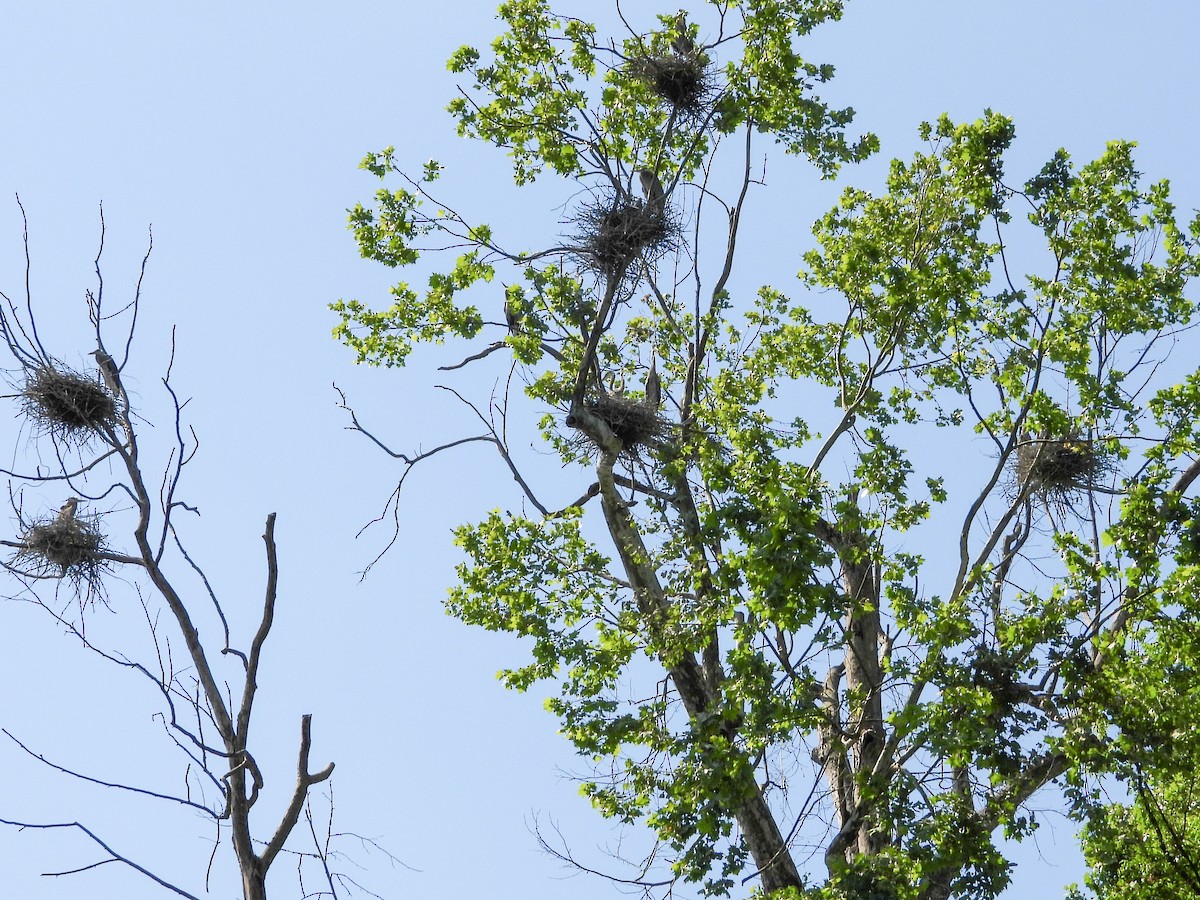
{"x":616,"y":230}
{"x":999,"y":675}
{"x":67,"y":404}
{"x":1059,"y":471}
{"x":67,"y":548}
{"x":635,"y":422}
{"x":682,"y":81}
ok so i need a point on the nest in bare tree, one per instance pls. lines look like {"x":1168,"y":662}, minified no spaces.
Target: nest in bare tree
{"x":635,"y":422}
{"x":1058,"y":471}
{"x":682,"y":81}
{"x":615,"y":231}
{"x":66,"y":404}
{"x":63,"y":547}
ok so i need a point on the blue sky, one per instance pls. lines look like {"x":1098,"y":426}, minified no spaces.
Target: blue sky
{"x":236,"y":132}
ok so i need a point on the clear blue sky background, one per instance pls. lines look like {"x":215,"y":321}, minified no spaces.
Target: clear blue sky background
{"x":236,"y":129}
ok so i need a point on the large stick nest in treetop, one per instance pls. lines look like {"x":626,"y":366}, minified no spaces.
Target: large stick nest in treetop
{"x":616,"y":229}
{"x":63,"y":547}
{"x":66,"y":404}
{"x":635,"y":422}
{"x":1059,"y":471}
{"x":682,"y":81}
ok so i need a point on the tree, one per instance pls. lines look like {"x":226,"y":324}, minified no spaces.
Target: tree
{"x":86,"y":423}
{"x":1149,"y":846}
{"x":790,"y":623}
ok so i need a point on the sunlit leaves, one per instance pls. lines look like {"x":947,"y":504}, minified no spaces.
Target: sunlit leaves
{"x":775,"y":89}
{"x":543,"y":580}
{"x":841,"y":451}
{"x":525,"y":98}
{"x":386,"y":337}
{"x":390,"y":233}
{"x":537,"y":94}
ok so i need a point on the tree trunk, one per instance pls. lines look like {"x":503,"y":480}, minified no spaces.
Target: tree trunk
{"x":766,"y":845}
{"x":759,"y":829}
{"x":937,"y":887}
{"x":254,"y":885}
{"x":848,"y":753}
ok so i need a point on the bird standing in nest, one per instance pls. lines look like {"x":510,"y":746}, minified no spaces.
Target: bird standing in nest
{"x":66,"y":512}
{"x":108,"y":371}
{"x":652,"y":188}
{"x":653,"y":385}
{"x":682,"y":42}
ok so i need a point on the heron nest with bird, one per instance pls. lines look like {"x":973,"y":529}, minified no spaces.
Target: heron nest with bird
{"x":682,"y":81}
{"x":1059,"y":471}
{"x":63,"y":547}
{"x":66,"y":404}
{"x":618,"y":229}
{"x":635,"y":422}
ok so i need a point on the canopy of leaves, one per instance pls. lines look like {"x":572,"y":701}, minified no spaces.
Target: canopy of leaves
{"x":788,"y":607}
{"x":1148,"y":849}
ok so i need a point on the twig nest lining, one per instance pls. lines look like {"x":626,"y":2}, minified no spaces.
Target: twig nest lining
{"x":67,"y":404}
{"x":681,"y":80}
{"x":635,"y":422}
{"x":617,"y":230}
{"x":998,"y":674}
{"x":63,"y":546}
{"x":1058,"y":470}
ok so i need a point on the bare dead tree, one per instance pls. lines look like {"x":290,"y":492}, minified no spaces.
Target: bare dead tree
{"x":85,"y":418}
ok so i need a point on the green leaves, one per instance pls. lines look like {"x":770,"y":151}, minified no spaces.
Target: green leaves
{"x":543,"y":580}
{"x":386,"y":337}
{"x":538,"y":97}
{"x":1105,"y":232}
{"x":922,"y":519}
{"x":530,"y":105}
{"x":774,"y":88}
{"x":390,"y":234}
{"x":913,"y":263}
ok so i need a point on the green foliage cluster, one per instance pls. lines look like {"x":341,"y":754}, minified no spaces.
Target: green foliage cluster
{"x":791,"y":620}
{"x":1148,"y":849}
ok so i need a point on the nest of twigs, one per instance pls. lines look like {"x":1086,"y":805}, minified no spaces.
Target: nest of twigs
{"x":635,"y":422}
{"x":683,"y":81}
{"x":66,"y":404}
{"x":63,"y":547}
{"x":1059,"y":471}
{"x":997,"y":674}
{"x":614,"y":232}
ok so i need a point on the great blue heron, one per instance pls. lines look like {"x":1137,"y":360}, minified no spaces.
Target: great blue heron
{"x":67,"y":511}
{"x":108,"y":371}
{"x":682,"y":42}
{"x":652,"y":188}
{"x":653,"y":385}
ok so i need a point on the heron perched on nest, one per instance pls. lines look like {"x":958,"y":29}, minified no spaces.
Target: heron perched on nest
{"x":65,"y":545}
{"x":67,"y":511}
{"x":108,"y":371}
{"x":652,"y":188}
{"x":682,"y":42}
